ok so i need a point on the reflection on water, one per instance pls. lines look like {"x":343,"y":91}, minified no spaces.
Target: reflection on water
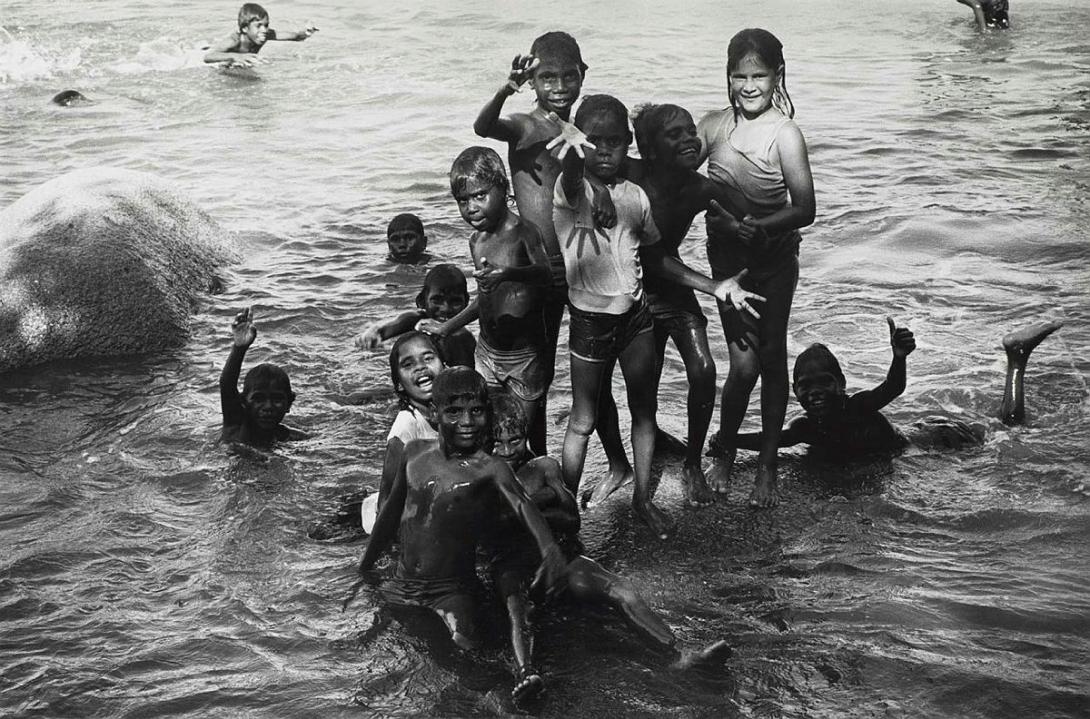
{"x":149,"y":572}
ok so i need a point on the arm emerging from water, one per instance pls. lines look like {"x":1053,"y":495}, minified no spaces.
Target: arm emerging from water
{"x":903,"y":342}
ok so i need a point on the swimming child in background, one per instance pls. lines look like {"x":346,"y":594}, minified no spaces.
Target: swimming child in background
{"x":757,"y":153}
{"x":446,"y":495}
{"x":515,"y":558}
{"x":840,"y":427}
{"x":512,"y":272}
{"x":989,"y":13}
{"x":609,"y":316}
{"x":406,"y":239}
{"x":241,"y":48}
{"x":254,"y":417}
{"x":670,"y":153}
{"x":444,"y":295}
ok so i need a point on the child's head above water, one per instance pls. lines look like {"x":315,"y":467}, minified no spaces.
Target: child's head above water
{"x":415,"y":360}
{"x":508,"y":428}
{"x":666,"y":133}
{"x":462,"y":412}
{"x":756,"y":56}
{"x":405,"y":237}
{"x":479,"y":184}
{"x":445,"y":292}
{"x":267,"y":395}
{"x":604,"y":120}
{"x":818,"y":381}
{"x":558,"y":77}
{"x":249,"y":13}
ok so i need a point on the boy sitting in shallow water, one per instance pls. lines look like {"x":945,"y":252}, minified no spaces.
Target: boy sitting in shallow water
{"x":254,"y":417}
{"x":445,"y":496}
{"x":241,"y":48}
{"x":842,"y":427}
{"x":586,"y":581}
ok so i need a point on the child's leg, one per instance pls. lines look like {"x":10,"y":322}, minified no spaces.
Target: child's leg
{"x":458,"y":611}
{"x":609,"y":434}
{"x":1018,"y":346}
{"x":529,"y":681}
{"x":638,"y":367}
{"x":589,"y":581}
{"x":587,"y":379}
{"x":779,"y":291}
{"x":741,"y":334}
{"x":692,"y":343}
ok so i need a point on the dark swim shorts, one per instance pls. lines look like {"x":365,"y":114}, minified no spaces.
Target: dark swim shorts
{"x":676,"y":313}
{"x":601,"y":337}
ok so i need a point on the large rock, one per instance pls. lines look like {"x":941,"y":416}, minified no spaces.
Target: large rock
{"x":103,"y":262}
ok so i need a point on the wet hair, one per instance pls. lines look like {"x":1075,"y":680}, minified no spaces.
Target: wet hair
{"x":648,"y":120}
{"x":249,"y":12}
{"x":444,"y":275}
{"x":395,"y":358}
{"x":769,"y":50}
{"x":265,"y":374}
{"x":602,"y":105}
{"x":820,"y":356}
{"x":507,"y":415}
{"x":558,"y":45}
{"x":405,"y":221}
{"x":477,"y":163}
{"x":459,"y":381}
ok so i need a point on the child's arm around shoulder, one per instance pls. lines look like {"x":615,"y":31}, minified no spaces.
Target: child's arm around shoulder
{"x":903,"y":342}
{"x":506,"y":129}
{"x":243,"y":335}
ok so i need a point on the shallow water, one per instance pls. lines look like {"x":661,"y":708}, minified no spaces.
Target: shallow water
{"x":149,"y":573}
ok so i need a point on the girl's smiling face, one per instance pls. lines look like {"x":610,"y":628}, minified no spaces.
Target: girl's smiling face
{"x":752,"y":84}
{"x":417,"y":365}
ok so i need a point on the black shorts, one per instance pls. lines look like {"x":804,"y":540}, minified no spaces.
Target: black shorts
{"x":676,"y":313}
{"x":601,"y":337}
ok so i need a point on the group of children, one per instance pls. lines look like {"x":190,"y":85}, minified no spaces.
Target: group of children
{"x":599,"y":233}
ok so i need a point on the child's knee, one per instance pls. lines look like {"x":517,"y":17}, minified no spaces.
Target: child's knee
{"x":582,"y":424}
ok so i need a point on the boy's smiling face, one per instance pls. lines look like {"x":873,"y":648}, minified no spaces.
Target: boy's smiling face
{"x":510,"y":446}
{"x":677,"y":143}
{"x":257,"y":30}
{"x":463,"y":422}
{"x":820,"y":392}
{"x":266,"y":403}
{"x":441,"y":302}
{"x":557,"y":82}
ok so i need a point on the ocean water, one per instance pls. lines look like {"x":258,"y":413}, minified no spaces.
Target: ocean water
{"x":146,"y":572}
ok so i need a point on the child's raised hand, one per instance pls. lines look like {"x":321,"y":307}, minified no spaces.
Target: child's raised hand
{"x":242,"y":329}
{"x":730,"y":290}
{"x":901,"y":338}
{"x":307,"y":31}
{"x":369,"y":339}
{"x":570,"y":138}
{"x":720,"y":222}
{"x":522,"y":67}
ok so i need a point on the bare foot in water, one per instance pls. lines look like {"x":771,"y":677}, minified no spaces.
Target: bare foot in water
{"x":609,"y":484}
{"x":696,"y":489}
{"x":530,"y":685}
{"x":653,"y":517}
{"x":715,"y":653}
{"x":764,"y":492}
{"x":719,"y":474}
{"x":1019,"y":344}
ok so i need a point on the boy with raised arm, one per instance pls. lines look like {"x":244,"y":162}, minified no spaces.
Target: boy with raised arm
{"x":444,"y":497}
{"x":512,"y":274}
{"x":254,"y":417}
{"x":241,"y":48}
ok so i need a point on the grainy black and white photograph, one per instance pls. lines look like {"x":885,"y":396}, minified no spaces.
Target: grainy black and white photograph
{"x":565,"y":359}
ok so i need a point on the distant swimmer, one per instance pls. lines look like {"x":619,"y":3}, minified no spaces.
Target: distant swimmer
{"x":67,"y":98}
{"x":240,"y":48}
{"x":989,"y":13}
{"x":842,"y":427}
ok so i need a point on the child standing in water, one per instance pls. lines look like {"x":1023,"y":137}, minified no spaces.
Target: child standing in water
{"x":610,"y":320}
{"x":757,"y":153}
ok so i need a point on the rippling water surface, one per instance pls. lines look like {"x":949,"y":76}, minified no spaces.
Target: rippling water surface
{"x":146,"y":572}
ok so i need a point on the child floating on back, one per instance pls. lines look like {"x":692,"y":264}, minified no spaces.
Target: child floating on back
{"x":241,"y":48}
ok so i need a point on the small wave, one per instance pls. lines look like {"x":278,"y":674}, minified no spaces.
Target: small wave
{"x":22,"y":61}
{"x":160,"y":55}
